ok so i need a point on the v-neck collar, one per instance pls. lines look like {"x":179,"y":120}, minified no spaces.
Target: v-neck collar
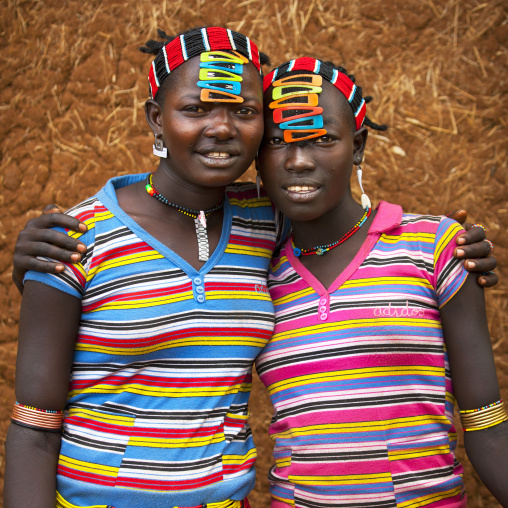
{"x":108,"y":198}
{"x":387,"y":217}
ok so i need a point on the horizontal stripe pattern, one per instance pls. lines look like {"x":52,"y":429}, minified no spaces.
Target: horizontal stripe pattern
{"x":160,"y":381}
{"x":358,"y":375}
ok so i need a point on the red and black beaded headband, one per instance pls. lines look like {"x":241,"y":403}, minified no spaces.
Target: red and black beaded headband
{"x":192,"y":44}
{"x":350,"y":91}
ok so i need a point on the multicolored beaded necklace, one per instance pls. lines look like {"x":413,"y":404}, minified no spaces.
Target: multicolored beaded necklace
{"x":321,"y":249}
{"x":199,"y":217}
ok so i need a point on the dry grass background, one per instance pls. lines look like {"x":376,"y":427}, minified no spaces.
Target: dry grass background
{"x":73,"y":84}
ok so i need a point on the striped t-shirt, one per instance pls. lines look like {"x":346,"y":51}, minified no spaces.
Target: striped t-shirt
{"x":157,"y":407}
{"x":358,"y":373}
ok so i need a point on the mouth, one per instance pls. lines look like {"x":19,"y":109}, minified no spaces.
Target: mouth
{"x":301,"y":193}
{"x":218,"y":159}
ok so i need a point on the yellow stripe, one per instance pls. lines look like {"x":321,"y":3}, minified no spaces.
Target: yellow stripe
{"x":195,"y":442}
{"x":353,"y":323}
{"x":282,"y":260}
{"x":375,"y":281}
{"x":418,"y":452}
{"x":428,"y":237}
{"x":251,"y":203}
{"x":236,"y":295}
{"x":62,"y":503}
{"x":354,"y":373}
{"x":290,"y":502}
{"x":445,"y":240}
{"x":239,"y":459}
{"x":88,"y":467}
{"x":293,"y":296}
{"x":249,"y":250}
{"x":130,"y":259}
{"x":96,"y":416}
{"x":394,"y":423}
{"x":354,"y":479}
{"x":431,"y":498}
{"x":194,"y":341}
{"x":154,"y":391}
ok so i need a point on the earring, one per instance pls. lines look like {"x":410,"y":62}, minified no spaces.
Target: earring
{"x":158,"y":147}
{"x":365,"y":199}
{"x":258,"y":184}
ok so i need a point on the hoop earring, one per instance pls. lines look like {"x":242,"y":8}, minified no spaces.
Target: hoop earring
{"x":365,"y":199}
{"x":158,"y":147}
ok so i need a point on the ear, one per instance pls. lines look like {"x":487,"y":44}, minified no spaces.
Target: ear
{"x":153,"y":114}
{"x":359,"y":142}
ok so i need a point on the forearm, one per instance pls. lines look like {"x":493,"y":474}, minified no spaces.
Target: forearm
{"x":488,"y":452}
{"x":30,"y":472}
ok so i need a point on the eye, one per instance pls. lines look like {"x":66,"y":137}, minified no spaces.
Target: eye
{"x":194,"y":109}
{"x":324,"y":139}
{"x":246,"y":111}
{"x":276,"y":141}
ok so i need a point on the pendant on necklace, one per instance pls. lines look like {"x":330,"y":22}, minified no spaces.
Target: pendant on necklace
{"x":202,"y":235}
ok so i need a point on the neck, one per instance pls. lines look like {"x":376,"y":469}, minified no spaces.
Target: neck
{"x":184,"y":193}
{"x":329,"y":227}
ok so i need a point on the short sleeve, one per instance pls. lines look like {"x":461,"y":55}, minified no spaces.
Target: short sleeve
{"x":449,"y":272}
{"x":75,"y":275}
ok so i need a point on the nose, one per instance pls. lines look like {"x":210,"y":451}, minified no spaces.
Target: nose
{"x":221,"y":125}
{"x":299,"y":158}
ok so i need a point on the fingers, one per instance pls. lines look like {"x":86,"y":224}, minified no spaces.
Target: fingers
{"x":51,"y":219}
{"x":473,"y":234}
{"x":481,"y":249}
{"x":488,"y":280}
{"x":47,"y":243}
{"x":482,"y":265}
{"x":460,"y":216}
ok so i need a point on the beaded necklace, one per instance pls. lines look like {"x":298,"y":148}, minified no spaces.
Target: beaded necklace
{"x":321,"y":249}
{"x":199,"y":217}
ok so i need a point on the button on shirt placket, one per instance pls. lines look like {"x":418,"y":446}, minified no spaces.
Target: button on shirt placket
{"x":324,"y":307}
{"x":198,"y":289}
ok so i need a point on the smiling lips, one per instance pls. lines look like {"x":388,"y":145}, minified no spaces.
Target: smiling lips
{"x":301,"y":192}
{"x":217,"y":159}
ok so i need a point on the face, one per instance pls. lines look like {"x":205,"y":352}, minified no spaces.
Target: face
{"x":309,"y":179}
{"x":209,"y":144}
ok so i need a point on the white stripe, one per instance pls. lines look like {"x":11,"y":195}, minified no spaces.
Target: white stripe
{"x":249,"y":48}
{"x":334,"y":77}
{"x":155,"y":73}
{"x":351,"y":95}
{"x":291,"y":65}
{"x":205,"y":39}
{"x":231,"y":40}
{"x":317,"y":66}
{"x":166,"y":59}
{"x":184,"y":50}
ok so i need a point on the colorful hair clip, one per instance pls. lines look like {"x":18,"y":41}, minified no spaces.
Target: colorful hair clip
{"x":233,"y":87}
{"x":208,"y":95}
{"x":209,"y":74}
{"x":289,"y":136}
{"x":291,"y":113}
{"x":280,"y":92}
{"x":222,"y":56}
{"x":296,"y":101}
{"x":311,"y":122}
{"x":300,"y":79}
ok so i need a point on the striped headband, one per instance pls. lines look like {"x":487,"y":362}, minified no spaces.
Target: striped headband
{"x":350,"y":91}
{"x":192,"y":44}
